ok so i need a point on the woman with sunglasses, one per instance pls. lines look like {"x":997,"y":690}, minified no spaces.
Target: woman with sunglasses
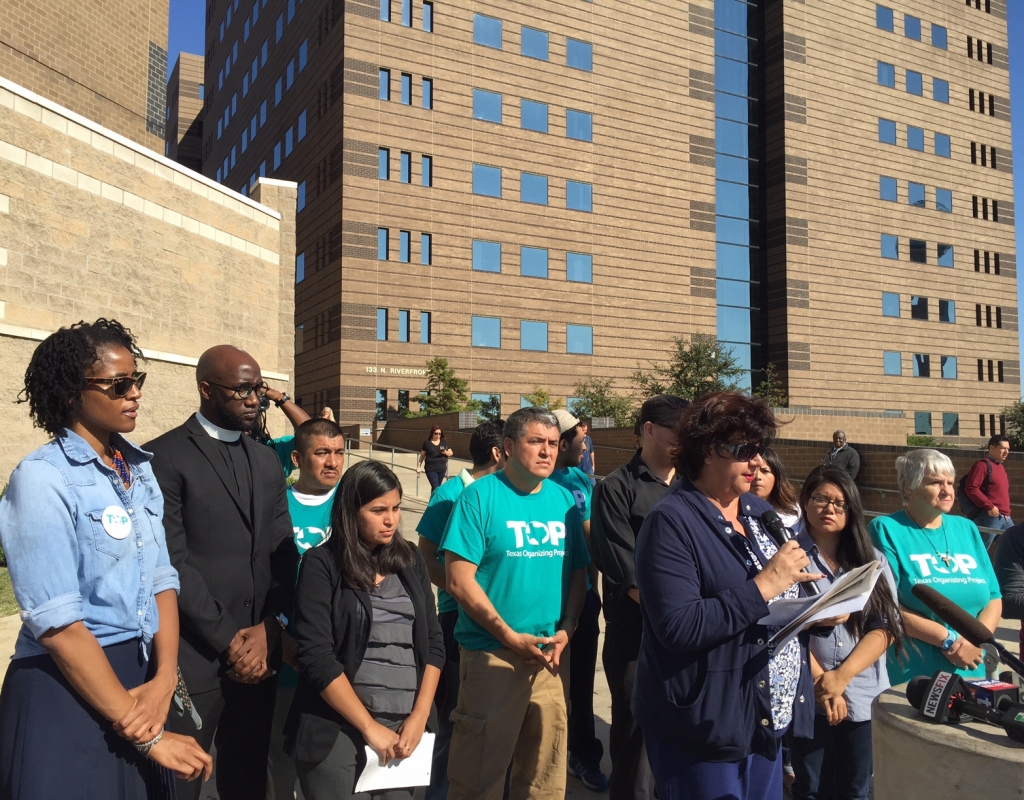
{"x":847,"y":661}
{"x":771,"y":484}
{"x":713,"y":697}
{"x":434,"y":455}
{"x":85,"y":698}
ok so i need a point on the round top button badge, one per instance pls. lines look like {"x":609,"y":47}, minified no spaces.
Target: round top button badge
{"x":116,"y":522}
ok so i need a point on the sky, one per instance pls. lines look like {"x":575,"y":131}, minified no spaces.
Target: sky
{"x":188,"y":18}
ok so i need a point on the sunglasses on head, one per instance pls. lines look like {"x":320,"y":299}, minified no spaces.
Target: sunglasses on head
{"x":123,"y":385}
{"x":744,"y":451}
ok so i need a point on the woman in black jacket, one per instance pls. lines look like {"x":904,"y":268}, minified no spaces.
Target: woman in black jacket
{"x":370,"y":648}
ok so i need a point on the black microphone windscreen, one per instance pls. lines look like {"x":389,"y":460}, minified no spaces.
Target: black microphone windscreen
{"x":954,"y":616}
{"x":773,"y":525}
{"x":916,"y":690}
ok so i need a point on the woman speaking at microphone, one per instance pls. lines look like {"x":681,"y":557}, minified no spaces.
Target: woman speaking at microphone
{"x":712,"y":696}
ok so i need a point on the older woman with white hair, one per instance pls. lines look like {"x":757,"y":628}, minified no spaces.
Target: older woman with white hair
{"x":925,"y":544}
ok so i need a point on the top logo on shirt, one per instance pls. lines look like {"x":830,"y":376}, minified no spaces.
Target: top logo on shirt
{"x":536,"y":534}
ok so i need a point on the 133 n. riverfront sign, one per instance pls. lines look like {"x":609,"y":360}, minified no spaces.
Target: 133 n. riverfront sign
{"x":395,"y":371}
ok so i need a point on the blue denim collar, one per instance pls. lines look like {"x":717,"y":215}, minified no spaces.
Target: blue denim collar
{"x":76,"y":449}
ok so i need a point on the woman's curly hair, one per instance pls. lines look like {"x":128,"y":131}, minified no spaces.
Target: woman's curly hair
{"x":55,"y":376}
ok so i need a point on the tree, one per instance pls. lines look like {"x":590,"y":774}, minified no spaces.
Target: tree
{"x":489,"y":409}
{"x":771,"y":388}
{"x":595,"y":398}
{"x":445,"y":393}
{"x":704,"y":365}
{"x":543,"y":399}
{"x":1015,"y":424}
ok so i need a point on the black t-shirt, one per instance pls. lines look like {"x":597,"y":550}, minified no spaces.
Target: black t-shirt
{"x":435,"y":462}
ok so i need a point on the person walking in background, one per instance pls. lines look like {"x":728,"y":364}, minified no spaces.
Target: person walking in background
{"x":433,"y":458}
{"x":987,"y":487}
{"x":848,"y":664}
{"x":842,"y":456}
{"x":771,"y":483}
{"x":370,"y":649}
{"x":620,"y":504}
{"x":319,"y":455}
{"x":588,"y":464}
{"x":488,"y":454}
{"x":86,"y":696}
{"x":516,"y":560}
{"x":230,"y":538}
{"x":1008,"y":563}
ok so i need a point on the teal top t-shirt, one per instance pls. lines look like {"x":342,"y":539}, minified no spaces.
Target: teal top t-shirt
{"x":525,"y":547}
{"x":915,"y":556}
{"x":311,"y":526}
{"x":434,"y":519}
{"x":578,"y":483}
{"x":283,"y":447}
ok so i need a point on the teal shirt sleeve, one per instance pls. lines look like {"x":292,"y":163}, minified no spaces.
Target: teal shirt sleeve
{"x":579,"y":555}
{"x":436,"y":514}
{"x":464,"y":534}
{"x":284,"y":446}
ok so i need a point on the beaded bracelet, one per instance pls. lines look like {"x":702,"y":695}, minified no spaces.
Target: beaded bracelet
{"x":145,"y":747}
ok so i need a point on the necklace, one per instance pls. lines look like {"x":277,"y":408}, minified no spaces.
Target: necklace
{"x":121,"y":468}
{"x":946,"y":557}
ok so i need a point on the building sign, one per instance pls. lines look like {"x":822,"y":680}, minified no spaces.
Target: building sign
{"x":395,"y":371}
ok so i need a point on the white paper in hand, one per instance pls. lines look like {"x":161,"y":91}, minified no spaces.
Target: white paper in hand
{"x":398,"y":774}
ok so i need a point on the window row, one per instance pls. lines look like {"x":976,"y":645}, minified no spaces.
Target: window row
{"x":918,"y":249}
{"x":991,"y":417}
{"x":921,"y":365}
{"x":884,"y":19}
{"x":533,"y":261}
{"x":405,"y":13}
{"x":888,"y":189}
{"x":533,"y":115}
{"x":533,"y":335}
{"x":988,"y":316}
{"x":534,"y":43}
{"x":914,"y":82}
{"x":990,"y":261}
{"x":979,"y":50}
{"x":259,"y":119}
{"x":404,"y":247}
{"x":980,"y":207}
{"x":950,"y":423}
{"x":988,"y":10}
{"x":915,"y":138}
{"x":919,"y":307}
{"x":405,"y":82}
{"x":984,"y":154}
{"x":487,"y":182}
{"x":404,"y":167}
{"x":989,"y":370}
{"x":386,"y":333}
{"x":982,"y":102}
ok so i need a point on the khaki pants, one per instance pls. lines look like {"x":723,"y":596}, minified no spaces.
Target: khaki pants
{"x":509,"y":711}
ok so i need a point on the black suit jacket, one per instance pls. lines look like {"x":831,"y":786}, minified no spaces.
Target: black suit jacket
{"x":236,"y":566}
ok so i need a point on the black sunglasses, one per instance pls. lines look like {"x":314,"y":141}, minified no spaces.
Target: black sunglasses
{"x":743,"y":451}
{"x":244,"y":390}
{"x":122,"y":385}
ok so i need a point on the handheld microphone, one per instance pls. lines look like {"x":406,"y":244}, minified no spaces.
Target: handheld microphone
{"x":964,"y":624}
{"x":781,"y":534}
{"x":946,"y":698}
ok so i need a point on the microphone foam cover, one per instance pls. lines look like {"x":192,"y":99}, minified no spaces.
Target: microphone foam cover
{"x":772,"y":523}
{"x":916,"y":690}
{"x":954,"y":616}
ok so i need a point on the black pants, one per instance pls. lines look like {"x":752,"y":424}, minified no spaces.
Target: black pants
{"x":237,"y":718}
{"x":583,"y":741}
{"x":631,"y":777}
{"x":836,"y":764}
{"x":445,"y":698}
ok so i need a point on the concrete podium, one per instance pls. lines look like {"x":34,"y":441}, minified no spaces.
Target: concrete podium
{"x":919,"y":760}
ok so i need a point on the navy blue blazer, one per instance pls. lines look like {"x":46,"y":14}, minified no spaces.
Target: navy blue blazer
{"x":702,"y":676}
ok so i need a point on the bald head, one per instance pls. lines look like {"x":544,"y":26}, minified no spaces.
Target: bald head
{"x":224,"y":373}
{"x":222,"y":361}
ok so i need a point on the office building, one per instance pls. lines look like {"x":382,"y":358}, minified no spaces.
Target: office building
{"x":185,"y":98}
{"x":548,"y":191}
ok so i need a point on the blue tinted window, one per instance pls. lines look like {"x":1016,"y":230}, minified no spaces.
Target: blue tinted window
{"x":736,"y":231}
{"x":382,"y":244}
{"x":403,"y":326}
{"x":486,"y":105}
{"x":887,"y":189}
{"x":891,"y":363}
{"x":383,"y":90}
{"x":533,"y":335}
{"x":939,"y":37}
{"x":942,"y":145}
{"x":428,"y":16}
{"x":486,"y":332}
{"x":303,"y":55}
{"x":535,"y":43}
{"x":579,"y":196}
{"x":911,"y":27}
{"x":579,"y":55}
{"x":945,"y":255}
{"x":735,"y":16}
{"x":940,"y":90}
{"x":300,"y":267}
{"x":950,"y":424}
{"x":300,"y":197}
{"x":426,"y":249}
{"x":424,"y":327}
{"x":741,"y":109}
{"x":887,"y":131}
{"x":533,"y":189}
{"x":382,"y":324}
{"x":487,"y":31}
{"x":947,"y":311}
{"x":486,"y":180}
{"x":301,"y":126}
{"x":407,"y":13}
{"x":733,"y":324}
{"x":948,"y":366}
{"x":883,"y":18}
{"x":579,"y":125}
{"x":732,"y":293}
{"x":732,"y":199}
{"x":737,"y":170}
{"x":403,"y":246}
{"x":486,"y":256}
{"x":428,"y":93}
{"x":886,"y":75}
{"x":918,"y":251}
{"x":890,"y":304}
{"x":732,"y":261}
{"x":922,"y":365}
{"x":383,"y":164}
{"x":890,"y":246}
{"x":943,"y":200}
{"x":406,"y":89}
{"x":923,"y":423}
{"x":915,"y":138}
{"x":732,"y":138}
{"x":915,"y":85}
{"x":427,"y":171}
{"x":738,"y":47}
{"x":533,"y":262}
{"x":915,"y":194}
{"x":734,"y":77}
{"x":579,"y":267}
{"x":533,"y":116}
{"x":579,"y":339}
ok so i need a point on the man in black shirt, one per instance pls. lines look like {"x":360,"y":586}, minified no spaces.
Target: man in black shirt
{"x":620,"y":504}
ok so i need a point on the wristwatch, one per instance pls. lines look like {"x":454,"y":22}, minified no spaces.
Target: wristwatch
{"x":951,"y":637}
{"x":281,"y":619}
{"x":284,"y":399}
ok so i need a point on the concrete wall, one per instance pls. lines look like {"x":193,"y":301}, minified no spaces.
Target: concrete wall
{"x":92,"y":224}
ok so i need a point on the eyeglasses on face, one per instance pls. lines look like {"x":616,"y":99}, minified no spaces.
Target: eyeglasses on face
{"x":243,"y":390}
{"x":825,"y":502}
{"x":123,"y":385}
{"x":744,"y":451}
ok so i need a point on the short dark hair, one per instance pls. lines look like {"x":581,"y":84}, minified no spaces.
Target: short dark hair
{"x":782,"y":496}
{"x":317,"y":426}
{"x":714,"y":419}
{"x":487,"y":436}
{"x":55,"y":377}
{"x":999,"y":438}
{"x":515,"y":425}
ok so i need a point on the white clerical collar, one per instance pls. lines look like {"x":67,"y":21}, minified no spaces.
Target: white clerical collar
{"x":217,"y":432}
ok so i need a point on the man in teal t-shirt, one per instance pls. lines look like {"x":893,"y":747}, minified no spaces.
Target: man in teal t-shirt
{"x":516,"y":563}
{"x":319,"y":455}
{"x":488,"y":454}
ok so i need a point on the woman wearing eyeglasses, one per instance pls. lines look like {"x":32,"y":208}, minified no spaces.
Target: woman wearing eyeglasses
{"x":924,"y":543}
{"x":712,"y":696}
{"x":848,"y":660}
{"x":85,"y":698}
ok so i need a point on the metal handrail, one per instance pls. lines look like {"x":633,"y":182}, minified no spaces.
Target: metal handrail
{"x":351,"y":452}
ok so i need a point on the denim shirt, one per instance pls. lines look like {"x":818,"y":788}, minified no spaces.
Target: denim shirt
{"x":82,"y":547}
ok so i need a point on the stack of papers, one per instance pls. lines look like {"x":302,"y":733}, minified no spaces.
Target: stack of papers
{"x":402,"y":773}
